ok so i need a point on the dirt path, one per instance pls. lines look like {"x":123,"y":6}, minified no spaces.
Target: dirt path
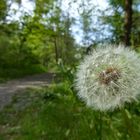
{"x":7,"y":90}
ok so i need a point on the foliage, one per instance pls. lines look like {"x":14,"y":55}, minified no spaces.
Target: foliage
{"x":116,"y":21}
{"x":40,"y":39}
{"x":3,"y":9}
{"x":46,"y":36}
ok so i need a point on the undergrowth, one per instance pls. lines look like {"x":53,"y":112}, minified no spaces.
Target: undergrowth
{"x":55,"y":113}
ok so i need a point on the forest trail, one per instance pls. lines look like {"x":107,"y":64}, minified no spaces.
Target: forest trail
{"x":8,"y":89}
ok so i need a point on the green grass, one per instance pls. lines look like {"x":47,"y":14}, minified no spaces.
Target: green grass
{"x":12,"y":73}
{"x":55,"y":113}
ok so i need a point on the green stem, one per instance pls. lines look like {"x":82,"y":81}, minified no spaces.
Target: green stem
{"x":128,"y":124}
{"x":100,"y":126}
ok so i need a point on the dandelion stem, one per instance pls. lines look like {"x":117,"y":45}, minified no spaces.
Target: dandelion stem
{"x":100,"y":126}
{"x":128,"y":121}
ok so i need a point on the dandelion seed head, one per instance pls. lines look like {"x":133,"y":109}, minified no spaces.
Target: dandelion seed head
{"x":108,"y":78}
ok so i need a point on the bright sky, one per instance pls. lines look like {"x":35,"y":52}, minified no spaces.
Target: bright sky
{"x":100,"y":4}
{"x":28,"y":6}
{"x":16,"y":11}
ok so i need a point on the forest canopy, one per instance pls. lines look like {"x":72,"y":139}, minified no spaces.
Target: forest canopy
{"x":51,"y":31}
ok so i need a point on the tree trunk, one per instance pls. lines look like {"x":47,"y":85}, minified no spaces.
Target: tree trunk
{"x":128,"y":22}
{"x":56,"y":50}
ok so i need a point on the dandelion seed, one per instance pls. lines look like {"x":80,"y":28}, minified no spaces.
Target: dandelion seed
{"x":108,"y":78}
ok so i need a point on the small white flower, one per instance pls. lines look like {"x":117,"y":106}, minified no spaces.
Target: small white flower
{"x":109,"y":77}
{"x":77,"y":56}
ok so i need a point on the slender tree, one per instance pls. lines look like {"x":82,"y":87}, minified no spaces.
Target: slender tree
{"x":128,"y":22}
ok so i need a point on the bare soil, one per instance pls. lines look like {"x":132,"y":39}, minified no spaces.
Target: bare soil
{"x":8,"y":89}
